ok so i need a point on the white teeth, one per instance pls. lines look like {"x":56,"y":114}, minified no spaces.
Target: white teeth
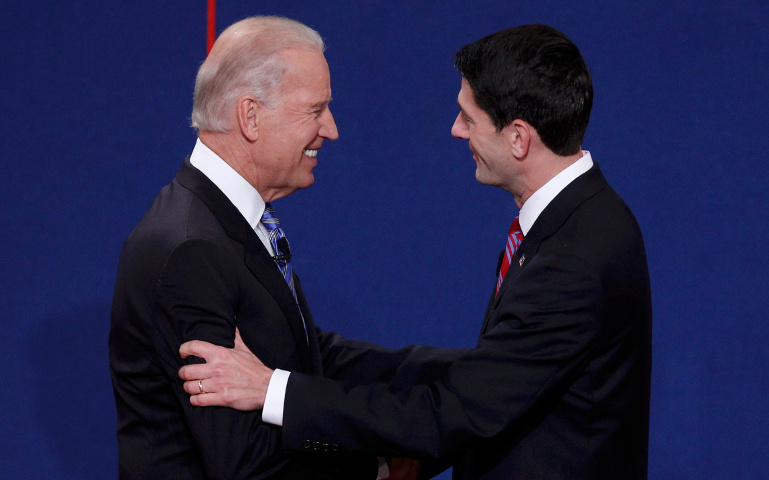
{"x":311,"y":153}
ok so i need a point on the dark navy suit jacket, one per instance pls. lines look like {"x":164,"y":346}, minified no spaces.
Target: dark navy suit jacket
{"x":194,"y":269}
{"x":558,"y":386}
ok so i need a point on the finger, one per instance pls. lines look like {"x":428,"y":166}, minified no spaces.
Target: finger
{"x":197,"y":348}
{"x":200,"y":387}
{"x":193,"y":387}
{"x":205,"y":400}
{"x":195,"y":371}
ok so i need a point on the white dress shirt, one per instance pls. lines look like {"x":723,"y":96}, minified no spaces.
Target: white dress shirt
{"x":540,"y":199}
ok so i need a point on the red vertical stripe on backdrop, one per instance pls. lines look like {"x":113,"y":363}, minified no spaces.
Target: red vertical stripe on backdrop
{"x":211,"y":25}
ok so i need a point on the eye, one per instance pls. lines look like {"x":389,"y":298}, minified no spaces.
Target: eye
{"x":318,"y":111}
{"x":320,"y":108}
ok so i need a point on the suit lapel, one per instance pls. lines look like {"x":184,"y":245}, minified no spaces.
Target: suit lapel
{"x":257,"y":258}
{"x":317,"y":361}
{"x":261,"y":264}
{"x":549,"y":222}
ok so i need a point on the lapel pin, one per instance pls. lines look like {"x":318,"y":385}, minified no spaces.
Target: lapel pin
{"x":523,"y":258}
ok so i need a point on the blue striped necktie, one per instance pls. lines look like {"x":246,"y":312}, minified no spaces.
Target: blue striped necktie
{"x":282,"y":256}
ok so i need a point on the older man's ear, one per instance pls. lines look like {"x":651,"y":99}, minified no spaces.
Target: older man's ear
{"x":248,"y":111}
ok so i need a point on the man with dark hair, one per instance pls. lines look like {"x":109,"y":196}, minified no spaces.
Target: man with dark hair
{"x":533,"y":73}
{"x":558,"y":385}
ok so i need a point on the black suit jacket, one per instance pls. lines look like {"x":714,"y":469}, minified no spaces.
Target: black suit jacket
{"x":558,"y":385}
{"x":194,"y":269}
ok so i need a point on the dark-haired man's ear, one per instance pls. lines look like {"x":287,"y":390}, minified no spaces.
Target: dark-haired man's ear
{"x":519,"y":134}
{"x":248,"y":111}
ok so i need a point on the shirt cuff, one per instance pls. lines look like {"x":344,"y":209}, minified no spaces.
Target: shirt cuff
{"x":275,"y":397}
{"x":384,"y":469}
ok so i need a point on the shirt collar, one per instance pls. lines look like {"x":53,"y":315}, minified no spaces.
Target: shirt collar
{"x":236,"y":188}
{"x":537,"y":203}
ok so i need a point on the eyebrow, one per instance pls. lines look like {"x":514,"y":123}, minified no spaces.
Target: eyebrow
{"x":322,"y":104}
{"x":463,"y":111}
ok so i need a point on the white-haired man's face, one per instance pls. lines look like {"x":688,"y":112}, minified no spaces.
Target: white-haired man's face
{"x":291,"y":133}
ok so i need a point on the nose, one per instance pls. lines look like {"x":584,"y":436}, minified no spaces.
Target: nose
{"x":459,"y":129}
{"x":328,"y":126}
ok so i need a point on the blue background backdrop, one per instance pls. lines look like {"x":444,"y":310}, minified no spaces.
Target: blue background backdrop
{"x":95,"y":102}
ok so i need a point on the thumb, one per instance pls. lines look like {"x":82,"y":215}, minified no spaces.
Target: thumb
{"x":239,"y":344}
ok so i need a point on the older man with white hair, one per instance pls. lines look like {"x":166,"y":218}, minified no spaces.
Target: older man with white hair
{"x":210,"y":259}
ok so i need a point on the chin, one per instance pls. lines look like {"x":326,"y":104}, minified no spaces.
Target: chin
{"x":486,"y":179}
{"x":307,"y":181}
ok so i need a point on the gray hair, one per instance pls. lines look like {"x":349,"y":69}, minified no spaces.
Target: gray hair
{"x":247,"y":62}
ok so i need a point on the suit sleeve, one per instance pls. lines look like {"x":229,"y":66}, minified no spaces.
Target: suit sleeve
{"x":366,"y":363}
{"x":197,"y":296}
{"x":546,"y":328}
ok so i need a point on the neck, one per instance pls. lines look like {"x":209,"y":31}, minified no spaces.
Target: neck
{"x":241,"y":157}
{"x":543,"y":168}
{"x":233,"y":152}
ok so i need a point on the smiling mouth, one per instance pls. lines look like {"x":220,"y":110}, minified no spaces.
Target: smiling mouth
{"x":310,"y":153}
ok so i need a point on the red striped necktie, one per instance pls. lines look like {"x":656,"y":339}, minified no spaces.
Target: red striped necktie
{"x":514,"y":239}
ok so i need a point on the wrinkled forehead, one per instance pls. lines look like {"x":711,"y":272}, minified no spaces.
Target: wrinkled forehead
{"x":300,"y":65}
{"x":306,"y":77}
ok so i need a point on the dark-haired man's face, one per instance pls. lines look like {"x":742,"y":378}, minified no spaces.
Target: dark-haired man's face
{"x":491,"y":150}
